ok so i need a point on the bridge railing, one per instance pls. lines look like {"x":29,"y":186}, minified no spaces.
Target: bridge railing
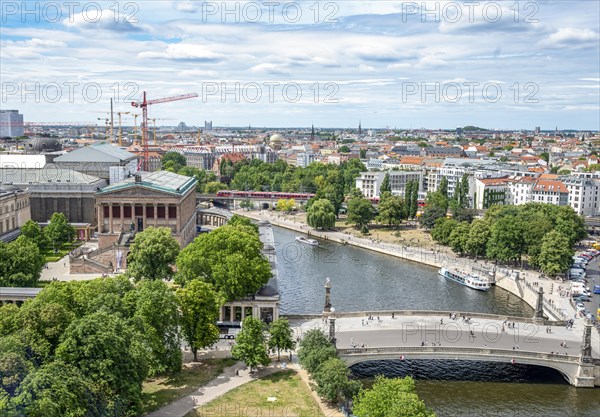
{"x":457,"y":350}
{"x":424,"y":313}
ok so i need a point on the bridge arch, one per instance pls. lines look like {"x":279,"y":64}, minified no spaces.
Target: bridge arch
{"x":566,"y":365}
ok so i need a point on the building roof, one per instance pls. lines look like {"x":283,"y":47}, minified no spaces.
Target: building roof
{"x":164,"y":181}
{"x":495,"y":181}
{"x":551,"y":186}
{"x":22,"y":161}
{"x":49,"y":174}
{"x":102,"y":152}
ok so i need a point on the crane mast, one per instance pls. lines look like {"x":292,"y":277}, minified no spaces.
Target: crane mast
{"x":144,"y":106}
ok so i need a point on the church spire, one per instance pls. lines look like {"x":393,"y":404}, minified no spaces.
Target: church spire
{"x":312,"y":133}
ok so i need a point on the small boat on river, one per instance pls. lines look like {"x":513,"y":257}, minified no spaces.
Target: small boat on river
{"x":303,"y":239}
{"x":469,"y":280}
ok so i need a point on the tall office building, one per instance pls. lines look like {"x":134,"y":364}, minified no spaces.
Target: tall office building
{"x":11,"y":124}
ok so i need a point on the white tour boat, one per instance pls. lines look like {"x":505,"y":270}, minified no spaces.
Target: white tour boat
{"x":469,"y":280}
{"x":303,"y":239}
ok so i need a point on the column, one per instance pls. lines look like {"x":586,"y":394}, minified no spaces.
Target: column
{"x":155,"y":215}
{"x":327,"y":307}
{"x":178,"y":214}
{"x":100,"y":217}
{"x":232,"y":313}
{"x":110,"y":218}
{"x":220,"y":310}
{"x":167,"y":215}
{"x":586,"y":345}
{"x":122,"y":212}
{"x":539,"y":307}
{"x":243,"y":312}
{"x":144,"y":216}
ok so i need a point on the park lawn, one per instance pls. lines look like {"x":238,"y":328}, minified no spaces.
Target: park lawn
{"x":50,"y":256}
{"x":293,"y":398}
{"x":162,"y":390}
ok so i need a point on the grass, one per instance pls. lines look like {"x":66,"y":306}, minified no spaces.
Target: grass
{"x":293,"y":398}
{"x":61,"y":252}
{"x":163,"y":390}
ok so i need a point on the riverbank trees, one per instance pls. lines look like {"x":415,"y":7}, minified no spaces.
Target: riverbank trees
{"x":544,"y":234}
{"x":321,"y":214}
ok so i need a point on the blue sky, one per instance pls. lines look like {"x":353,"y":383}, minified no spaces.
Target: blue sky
{"x":399,"y":64}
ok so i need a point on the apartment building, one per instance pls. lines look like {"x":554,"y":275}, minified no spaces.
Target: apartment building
{"x":369,"y":183}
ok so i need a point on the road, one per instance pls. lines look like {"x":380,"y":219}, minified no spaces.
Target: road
{"x":414,"y":331}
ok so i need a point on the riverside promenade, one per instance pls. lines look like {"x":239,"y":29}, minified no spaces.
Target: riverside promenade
{"x":523,"y":283}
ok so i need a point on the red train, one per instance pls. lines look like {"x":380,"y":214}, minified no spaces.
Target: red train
{"x":264,"y":194}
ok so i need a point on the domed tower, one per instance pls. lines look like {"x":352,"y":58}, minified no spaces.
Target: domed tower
{"x":42,"y":145}
{"x":275,"y":142}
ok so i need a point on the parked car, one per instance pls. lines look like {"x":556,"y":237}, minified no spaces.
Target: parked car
{"x":582,"y":298}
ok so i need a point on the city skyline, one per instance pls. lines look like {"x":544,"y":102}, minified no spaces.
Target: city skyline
{"x":384,"y":63}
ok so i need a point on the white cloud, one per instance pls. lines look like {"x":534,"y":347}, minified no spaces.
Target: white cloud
{"x":570,"y":38}
{"x":183,"y":51}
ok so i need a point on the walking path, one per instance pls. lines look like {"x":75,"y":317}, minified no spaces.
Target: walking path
{"x":214,"y":389}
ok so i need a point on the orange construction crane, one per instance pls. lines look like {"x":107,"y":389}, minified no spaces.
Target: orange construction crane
{"x":144,"y":106}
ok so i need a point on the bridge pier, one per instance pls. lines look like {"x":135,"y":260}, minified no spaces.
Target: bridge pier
{"x":539,"y":306}
{"x":584,"y":378}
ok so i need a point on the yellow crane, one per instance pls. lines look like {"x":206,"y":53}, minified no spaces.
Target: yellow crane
{"x":135,"y":116}
{"x":154,"y":129}
{"x":120,"y":129}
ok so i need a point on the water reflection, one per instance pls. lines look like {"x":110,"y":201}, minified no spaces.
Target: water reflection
{"x":364,"y":280}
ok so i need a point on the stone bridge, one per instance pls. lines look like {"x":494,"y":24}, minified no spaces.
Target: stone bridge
{"x":575,"y":369}
{"x":429,"y":335}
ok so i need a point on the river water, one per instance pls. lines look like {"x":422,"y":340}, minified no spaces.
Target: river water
{"x":365,"y":280}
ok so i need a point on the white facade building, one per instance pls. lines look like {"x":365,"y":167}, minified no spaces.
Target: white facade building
{"x":369,"y":183}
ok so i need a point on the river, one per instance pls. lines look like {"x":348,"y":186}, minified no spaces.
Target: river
{"x":365,"y":280}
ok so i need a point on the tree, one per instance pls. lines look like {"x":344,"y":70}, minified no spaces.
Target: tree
{"x":391,"y":210}
{"x":247,"y":204}
{"x":152,"y":253}
{"x":321,"y":214}
{"x":103,"y":347}
{"x":459,"y":237}
{"x":556,"y":254}
{"x":59,"y":230}
{"x":20,"y":263}
{"x":157,"y":316}
{"x":479,"y":234}
{"x":286,"y":205}
{"x":237,"y":220}
{"x":58,"y":390}
{"x":462,"y":192}
{"x":199,"y":304}
{"x":332,"y":381}
{"x":443,"y":187}
{"x":213,"y":186}
{"x":315,"y":349}
{"x":230,"y":258}
{"x":443,"y":229}
{"x":430,"y":216}
{"x":390,"y":398}
{"x":33,"y":231}
{"x":251,"y":344}
{"x":570,"y":224}
{"x":281,"y":336}
{"x":535,"y":226}
{"x":385,"y":185}
{"x":173,"y":161}
{"x":506,"y":241}
{"x":344,"y":149}
{"x":360,"y":212}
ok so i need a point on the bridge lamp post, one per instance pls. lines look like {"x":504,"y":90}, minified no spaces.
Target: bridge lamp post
{"x":332,"y":326}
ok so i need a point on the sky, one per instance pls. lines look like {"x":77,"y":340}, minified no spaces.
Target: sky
{"x":432,"y":64}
